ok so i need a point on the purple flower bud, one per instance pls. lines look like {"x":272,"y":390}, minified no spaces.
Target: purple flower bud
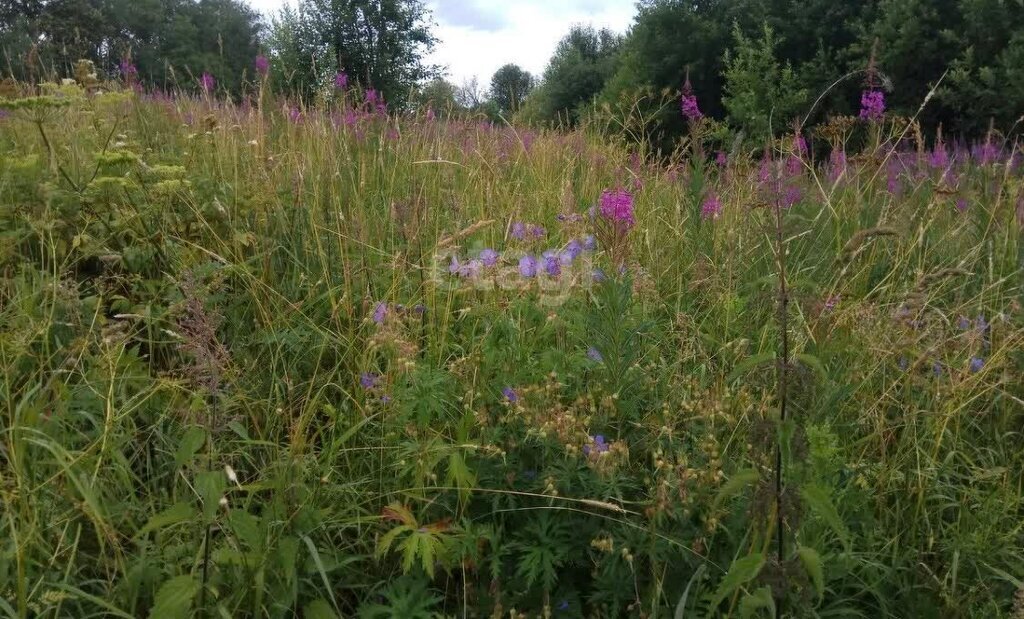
{"x":368,"y":379}
{"x":510,"y":394}
{"x":262,"y":65}
{"x":872,"y":105}
{"x":594,"y":354}
{"x":976,"y":364}
{"x":711,"y":208}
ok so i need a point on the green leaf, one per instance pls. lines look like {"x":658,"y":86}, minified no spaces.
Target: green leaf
{"x":174,"y":599}
{"x":817,"y":498}
{"x":190,"y":443}
{"x":179,"y":512}
{"x":739,"y":480}
{"x":758,"y":600}
{"x":210,"y":485}
{"x":319,"y":609}
{"x":247,"y":528}
{"x":812,"y":563}
{"x":741,"y":571}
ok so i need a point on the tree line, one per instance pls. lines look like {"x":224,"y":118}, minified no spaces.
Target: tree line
{"x":756,"y":64}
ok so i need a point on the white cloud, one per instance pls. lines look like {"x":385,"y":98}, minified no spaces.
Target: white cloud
{"x":475,"y":37}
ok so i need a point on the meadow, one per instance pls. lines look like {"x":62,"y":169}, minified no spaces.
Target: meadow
{"x":266,"y":360}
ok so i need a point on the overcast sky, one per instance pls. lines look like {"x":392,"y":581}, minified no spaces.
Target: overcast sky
{"x":478,"y":36}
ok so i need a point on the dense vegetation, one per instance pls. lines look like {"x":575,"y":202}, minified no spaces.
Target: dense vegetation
{"x":970,"y":51}
{"x":261,"y":359}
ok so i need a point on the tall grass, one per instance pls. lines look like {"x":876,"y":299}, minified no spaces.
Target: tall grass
{"x":239,"y":377}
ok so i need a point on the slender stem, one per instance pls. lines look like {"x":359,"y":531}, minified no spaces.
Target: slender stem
{"x":783,"y":374}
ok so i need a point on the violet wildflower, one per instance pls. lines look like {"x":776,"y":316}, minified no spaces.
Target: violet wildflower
{"x":937,"y":369}
{"x":294,"y":115}
{"x":961,"y":205}
{"x":470,"y":269}
{"x":721,"y":159}
{"x":590,"y":242}
{"x":872,"y":105}
{"x":594,"y":354}
{"x":939,"y":158}
{"x":488,"y":257}
{"x":537,"y":231}
{"x":551,"y":264}
{"x":380,"y":312}
{"x":791,"y":196}
{"x":518,"y":230}
{"x":454,"y":266}
{"x":963,"y":323}
{"x":976,"y":364}
{"x":206,"y":82}
{"x":832,"y":302}
{"x":597,"y":445}
{"x":528,"y":266}
{"x":510,"y":394}
{"x":617,"y":207}
{"x":368,"y":380}
{"x":980,"y":323}
{"x":711,"y":208}
{"x":262,"y":65}
{"x":573,"y":249}
{"x":340,"y":80}
{"x":598,"y":275}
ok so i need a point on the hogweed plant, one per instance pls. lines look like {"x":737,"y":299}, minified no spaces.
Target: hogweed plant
{"x":326,"y":359}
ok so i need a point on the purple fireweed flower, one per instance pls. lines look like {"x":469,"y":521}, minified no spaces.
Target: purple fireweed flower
{"x":294,"y":115}
{"x":128,"y":69}
{"x":711,"y":208}
{"x":380,"y":312}
{"x":976,"y":364}
{"x":872,"y":105}
{"x":368,"y":380}
{"x":939,"y":158}
{"x":688,"y":103}
{"x":206,"y":82}
{"x":985,"y":153}
{"x":594,"y":354}
{"x":791,"y":196}
{"x":590,"y":242}
{"x":488,"y":257}
{"x":262,"y":65}
{"x":617,"y":207}
{"x":721,"y":159}
{"x":372,"y":97}
{"x":340,"y":80}
{"x":510,"y":394}
{"x":518,"y":230}
{"x":528,"y":266}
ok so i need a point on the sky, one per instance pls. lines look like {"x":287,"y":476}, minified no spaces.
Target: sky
{"x":475,"y":37}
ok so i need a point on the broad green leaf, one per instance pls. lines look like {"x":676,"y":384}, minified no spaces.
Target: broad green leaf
{"x":812,"y":563}
{"x":190,"y":443}
{"x":817,"y":498}
{"x":758,"y":600}
{"x":319,"y":609}
{"x":739,"y":480}
{"x":210,"y":485}
{"x":179,"y":512}
{"x":174,"y":599}
{"x":740,"y":572}
{"x":247,"y":528}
